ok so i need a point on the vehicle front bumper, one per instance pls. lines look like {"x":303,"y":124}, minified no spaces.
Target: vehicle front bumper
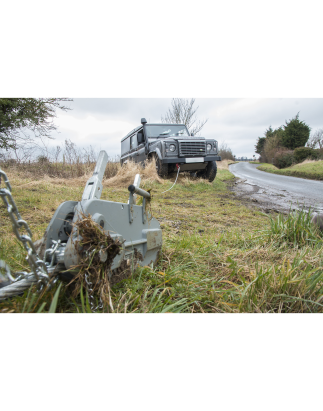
{"x":182,"y":160}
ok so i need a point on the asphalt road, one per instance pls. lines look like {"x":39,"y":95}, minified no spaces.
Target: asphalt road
{"x":279,"y":188}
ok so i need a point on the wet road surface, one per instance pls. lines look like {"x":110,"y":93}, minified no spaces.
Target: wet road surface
{"x":273,"y":191}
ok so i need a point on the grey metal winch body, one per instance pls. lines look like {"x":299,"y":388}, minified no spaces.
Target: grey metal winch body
{"x":131,"y":224}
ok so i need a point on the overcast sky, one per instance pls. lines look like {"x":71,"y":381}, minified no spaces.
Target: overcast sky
{"x":166,"y":22}
{"x":103,"y":122}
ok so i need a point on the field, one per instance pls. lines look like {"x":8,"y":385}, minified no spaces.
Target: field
{"x":310,"y":169}
{"x":218,"y":255}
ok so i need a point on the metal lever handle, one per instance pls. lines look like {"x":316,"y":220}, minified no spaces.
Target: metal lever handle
{"x":93,"y":188}
{"x":133,"y":189}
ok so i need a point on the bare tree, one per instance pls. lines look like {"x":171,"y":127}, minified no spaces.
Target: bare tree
{"x":225,"y":151}
{"x":316,"y":139}
{"x":182,"y":111}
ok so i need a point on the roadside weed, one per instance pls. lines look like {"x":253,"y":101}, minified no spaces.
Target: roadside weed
{"x":293,"y":286}
{"x":296,"y":229}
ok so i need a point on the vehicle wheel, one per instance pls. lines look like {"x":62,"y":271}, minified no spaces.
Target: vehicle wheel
{"x":162,"y":169}
{"x":210,"y":172}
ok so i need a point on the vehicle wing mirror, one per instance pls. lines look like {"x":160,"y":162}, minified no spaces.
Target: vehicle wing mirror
{"x":192,"y":134}
{"x":140,"y":138}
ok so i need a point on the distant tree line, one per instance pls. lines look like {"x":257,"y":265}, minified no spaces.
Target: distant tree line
{"x":225,"y":152}
{"x":286,"y":144}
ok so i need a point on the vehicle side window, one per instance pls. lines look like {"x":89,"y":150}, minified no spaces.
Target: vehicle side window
{"x":133,"y":141}
{"x":140,"y":137}
{"x":125,"y":144}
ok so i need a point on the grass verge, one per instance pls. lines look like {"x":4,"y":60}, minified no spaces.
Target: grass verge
{"x":217,"y":256}
{"x":309,"y":169}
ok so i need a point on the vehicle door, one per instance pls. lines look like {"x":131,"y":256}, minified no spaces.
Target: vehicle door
{"x":134,"y":148}
{"x":141,"y":155}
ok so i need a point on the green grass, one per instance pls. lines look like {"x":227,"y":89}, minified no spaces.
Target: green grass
{"x":217,"y":256}
{"x":296,"y":229}
{"x":312,"y":170}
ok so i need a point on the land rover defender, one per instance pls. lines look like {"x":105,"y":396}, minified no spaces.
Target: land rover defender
{"x":171,"y":145}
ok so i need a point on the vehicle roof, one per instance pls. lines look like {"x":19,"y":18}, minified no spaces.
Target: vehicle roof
{"x":151,"y":124}
{"x":131,"y":132}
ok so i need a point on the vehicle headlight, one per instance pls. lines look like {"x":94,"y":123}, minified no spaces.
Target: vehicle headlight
{"x":209,"y":147}
{"x":172,"y":147}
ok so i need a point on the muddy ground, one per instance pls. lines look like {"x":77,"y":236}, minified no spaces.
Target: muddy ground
{"x":270,"y":200}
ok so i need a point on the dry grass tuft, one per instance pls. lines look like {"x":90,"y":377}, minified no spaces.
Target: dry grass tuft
{"x":224,"y":164}
{"x":66,"y":161}
{"x":127,"y":172}
{"x":93,"y":243}
{"x":114,"y":176}
{"x":307,"y":161}
{"x":73,"y":175}
{"x":77,"y":181}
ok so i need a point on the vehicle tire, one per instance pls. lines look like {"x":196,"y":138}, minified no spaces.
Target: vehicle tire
{"x":161,"y":168}
{"x":210,"y":172}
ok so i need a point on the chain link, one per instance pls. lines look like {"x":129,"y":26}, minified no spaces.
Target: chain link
{"x":37,"y":266}
{"x":90,"y":294}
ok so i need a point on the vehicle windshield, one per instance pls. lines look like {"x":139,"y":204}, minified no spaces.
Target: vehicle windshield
{"x":172,"y":130}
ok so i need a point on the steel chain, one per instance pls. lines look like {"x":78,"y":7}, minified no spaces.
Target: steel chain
{"x":38,"y":267}
{"x":90,"y":294}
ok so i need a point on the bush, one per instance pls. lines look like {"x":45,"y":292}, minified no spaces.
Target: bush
{"x":271,"y":147}
{"x":296,"y":133}
{"x":302,"y":153}
{"x":42,"y":159}
{"x":284,"y":158}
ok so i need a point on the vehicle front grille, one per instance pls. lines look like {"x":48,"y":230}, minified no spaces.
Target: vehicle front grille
{"x":191,"y":148}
